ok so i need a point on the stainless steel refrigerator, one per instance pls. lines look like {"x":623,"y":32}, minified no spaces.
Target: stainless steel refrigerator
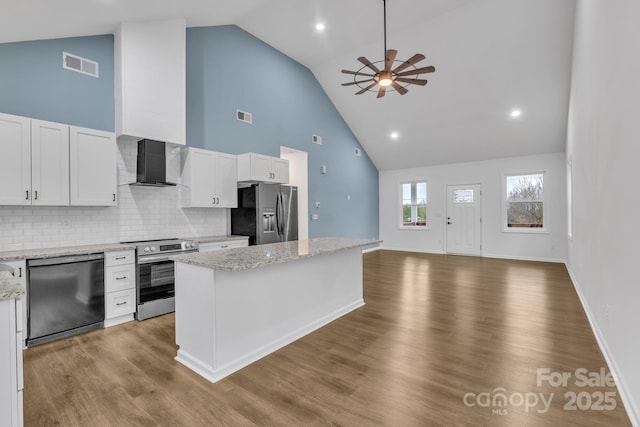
{"x":267,"y":213}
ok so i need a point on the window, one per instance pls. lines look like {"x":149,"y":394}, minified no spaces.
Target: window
{"x":413,"y":207}
{"x":524,"y":202}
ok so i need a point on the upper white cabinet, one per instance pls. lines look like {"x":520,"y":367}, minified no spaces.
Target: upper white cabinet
{"x":49,"y":163}
{"x":93,"y":169}
{"x":15,"y":160}
{"x":261,"y":168}
{"x":53,"y":164}
{"x":209,"y":179}
{"x":150,"y":63}
{"x":34,"y":162}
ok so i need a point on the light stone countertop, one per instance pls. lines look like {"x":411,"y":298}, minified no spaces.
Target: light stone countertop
{"x":10,"y":287}
{"x":237,"y":259}
{"x":214,"y":239}
{"x":71,"y":250}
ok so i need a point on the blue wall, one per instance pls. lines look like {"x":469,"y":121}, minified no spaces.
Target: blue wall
{"x":34,"y":84}
{"x":229,"y":69}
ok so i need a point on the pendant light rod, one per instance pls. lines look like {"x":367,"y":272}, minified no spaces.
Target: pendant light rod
{"x":384,"y":11}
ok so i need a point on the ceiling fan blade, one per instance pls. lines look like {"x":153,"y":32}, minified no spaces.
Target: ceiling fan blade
{"x":381,"y":91}
{"x":356,"y":73}
{"x":391,"y":56}
{"x":358,"y":82}
{"x":420,"y":82}
{"x":368,"y":63}
{"x":401,"y":89}
{"x":360,"y":92}
{"x":409,"y":62}
{"x":423,"y":70}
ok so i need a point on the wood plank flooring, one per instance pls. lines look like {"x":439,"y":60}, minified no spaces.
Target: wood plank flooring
{"x":436,"y":331}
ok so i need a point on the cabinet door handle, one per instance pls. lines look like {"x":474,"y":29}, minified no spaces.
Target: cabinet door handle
{"x":27,"y":191}
{"x":121,"y":278}
{"x":121,"y":303}
{"x":19,"y":271}
{"x":224,"y":246}
{"x":36,"y":195}
{"x":114,"y":197}
{"x":121,"y":257}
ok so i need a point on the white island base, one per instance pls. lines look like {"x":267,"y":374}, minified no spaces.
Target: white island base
{"x":226,"y":320}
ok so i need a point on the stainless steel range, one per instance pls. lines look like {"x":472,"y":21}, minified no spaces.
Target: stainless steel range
{"x":155,"y":285}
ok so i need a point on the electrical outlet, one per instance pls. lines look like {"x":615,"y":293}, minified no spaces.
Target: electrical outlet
{"x":357,"y":152}
{"x":317,"y":205}
{"x":316,"y":139}
{"x":314,"y":217}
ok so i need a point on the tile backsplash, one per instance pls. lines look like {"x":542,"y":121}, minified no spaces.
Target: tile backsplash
{"x":142,"y":213}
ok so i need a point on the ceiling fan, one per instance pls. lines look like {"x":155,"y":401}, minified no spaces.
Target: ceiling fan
{"x":389,"y":75}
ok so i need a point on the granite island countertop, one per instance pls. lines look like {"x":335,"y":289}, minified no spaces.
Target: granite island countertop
{"x":10,"y":287}
{"x":64,"y":251}
{"x":237,"y":259}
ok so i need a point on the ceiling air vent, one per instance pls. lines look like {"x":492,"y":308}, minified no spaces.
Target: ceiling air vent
{"x":79,"y":64}
{"x":243,"y":116}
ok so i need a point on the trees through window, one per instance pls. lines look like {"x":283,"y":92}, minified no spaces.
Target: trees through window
{"x":413,"y":204}
{"x":524,"y":201}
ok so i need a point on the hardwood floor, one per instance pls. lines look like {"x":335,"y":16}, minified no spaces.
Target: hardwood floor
{"x":436,"y":331}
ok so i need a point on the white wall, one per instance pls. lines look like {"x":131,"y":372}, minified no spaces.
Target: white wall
{"x":604,"y":146}
{"x":142,"y":213}
{"x":299,"y":176}
{"x":550,"y":246}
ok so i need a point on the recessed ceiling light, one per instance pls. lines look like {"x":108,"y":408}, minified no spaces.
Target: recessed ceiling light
{"x":320,"y":26}
{"x":515,"y":113}
{"x":395,"y":135}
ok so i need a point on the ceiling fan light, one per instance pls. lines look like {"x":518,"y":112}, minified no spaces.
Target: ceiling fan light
{"x":385,"y":79}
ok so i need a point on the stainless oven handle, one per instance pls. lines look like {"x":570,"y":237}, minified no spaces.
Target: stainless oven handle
{"x":150,"y":259}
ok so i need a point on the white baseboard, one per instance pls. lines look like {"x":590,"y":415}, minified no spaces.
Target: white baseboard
{"x":215,"y":374}
{"x":625,"y":395}
{"x":497,"y":256}
{"x":526,"y":258}
{"x":421,"y":251}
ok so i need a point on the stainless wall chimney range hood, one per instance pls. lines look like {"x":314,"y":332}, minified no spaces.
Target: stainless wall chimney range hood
{"x":152,"y":164}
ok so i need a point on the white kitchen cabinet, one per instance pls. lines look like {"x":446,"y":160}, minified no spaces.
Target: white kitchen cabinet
{"x":227,"y":244}
{"x":260,"y":168}
{"x":53,"y":164}
{"x":11,"y":375}
{"x":119,"y":287}
{"x":15,"y":160}
{"x":150,"y":64}
{"x":34,"y":162}
{"x":49,"y":163}
{"x":20,"y":273}
{"x":93,"y":167}
{"x":209,"y":179}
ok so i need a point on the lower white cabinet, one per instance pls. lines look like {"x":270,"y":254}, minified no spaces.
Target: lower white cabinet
{"x":227,"y":244}
{"x":11,"y":382}
{"x":119,"y":287}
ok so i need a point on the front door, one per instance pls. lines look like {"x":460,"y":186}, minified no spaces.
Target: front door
{"x":464,"y":219}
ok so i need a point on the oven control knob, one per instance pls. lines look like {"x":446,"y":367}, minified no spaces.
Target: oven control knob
{"x":153,"y":248}
{"x":187,"y":245}
{"x":146,"y":249}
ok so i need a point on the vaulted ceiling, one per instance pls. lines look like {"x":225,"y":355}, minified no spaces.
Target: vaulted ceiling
{"x":491,"y":57}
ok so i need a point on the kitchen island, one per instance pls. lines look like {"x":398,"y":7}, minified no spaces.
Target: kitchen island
{"x":235,"y":306}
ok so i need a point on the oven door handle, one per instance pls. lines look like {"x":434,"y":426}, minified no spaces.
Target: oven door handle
{"x":148,"y":259}
{"x":151,"y":259}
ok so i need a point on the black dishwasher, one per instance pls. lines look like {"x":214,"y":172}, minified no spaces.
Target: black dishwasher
{"x":65,"y":297}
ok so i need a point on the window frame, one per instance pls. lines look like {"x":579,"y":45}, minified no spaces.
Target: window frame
{"x":545,"y":209}
{"x":413,"y":183}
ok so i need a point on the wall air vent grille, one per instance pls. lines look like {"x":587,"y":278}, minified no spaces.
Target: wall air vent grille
{"x":80,"y":65}
{"x":243,"y":116}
